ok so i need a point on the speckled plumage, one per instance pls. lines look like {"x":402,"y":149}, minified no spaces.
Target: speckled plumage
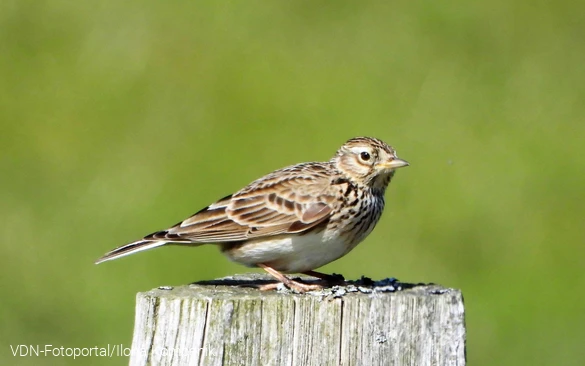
{"x":294,"y":219}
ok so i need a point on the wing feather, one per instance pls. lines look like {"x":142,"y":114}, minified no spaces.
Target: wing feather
{"x":291,"y":200}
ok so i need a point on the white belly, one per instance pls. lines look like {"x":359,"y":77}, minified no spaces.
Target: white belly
{"x":291,"y":254}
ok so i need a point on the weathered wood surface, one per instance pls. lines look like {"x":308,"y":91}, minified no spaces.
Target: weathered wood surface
{"x":227,"y":322}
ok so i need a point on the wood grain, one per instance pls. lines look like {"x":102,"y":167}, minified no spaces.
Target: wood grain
{"x":229,"y":322}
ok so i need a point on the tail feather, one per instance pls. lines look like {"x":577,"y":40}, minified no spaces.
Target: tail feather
{"x":135,"y":247}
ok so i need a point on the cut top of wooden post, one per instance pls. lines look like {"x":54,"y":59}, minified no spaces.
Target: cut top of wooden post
{"x":229,"y":322}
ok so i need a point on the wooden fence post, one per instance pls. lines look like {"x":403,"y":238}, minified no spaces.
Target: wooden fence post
{"x":227,"y":322}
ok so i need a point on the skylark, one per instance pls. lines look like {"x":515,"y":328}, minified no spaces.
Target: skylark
{"x":295,"y":219}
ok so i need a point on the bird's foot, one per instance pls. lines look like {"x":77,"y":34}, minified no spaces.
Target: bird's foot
{"x":292,"y":284}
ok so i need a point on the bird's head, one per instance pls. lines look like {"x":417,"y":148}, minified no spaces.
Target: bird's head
{"x":367,"y":161}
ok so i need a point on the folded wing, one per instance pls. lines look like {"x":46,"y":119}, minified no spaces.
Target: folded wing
{"x":291,"y":200}
{"x":291,"y":204}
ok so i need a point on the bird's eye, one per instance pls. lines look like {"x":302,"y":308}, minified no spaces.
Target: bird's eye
{"x":365,"y":155}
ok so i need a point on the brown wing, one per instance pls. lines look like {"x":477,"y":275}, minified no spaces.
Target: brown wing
{"x":290,"y":200}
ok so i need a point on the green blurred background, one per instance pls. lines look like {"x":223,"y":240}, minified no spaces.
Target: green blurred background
{"x":121,"y":118}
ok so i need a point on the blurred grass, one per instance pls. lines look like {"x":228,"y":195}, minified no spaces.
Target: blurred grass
{"x":120,"y":118}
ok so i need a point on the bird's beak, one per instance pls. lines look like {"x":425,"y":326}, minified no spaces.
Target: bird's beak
{"x":393,"y":164}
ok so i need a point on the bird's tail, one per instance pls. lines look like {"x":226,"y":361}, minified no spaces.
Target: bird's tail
{"x":135,"y":247}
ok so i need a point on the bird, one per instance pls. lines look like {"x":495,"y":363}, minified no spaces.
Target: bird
{"x":295,"y":219}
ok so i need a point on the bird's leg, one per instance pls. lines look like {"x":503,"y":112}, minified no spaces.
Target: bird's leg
{"x":293,"y":285}
{"x":329,"y":278}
